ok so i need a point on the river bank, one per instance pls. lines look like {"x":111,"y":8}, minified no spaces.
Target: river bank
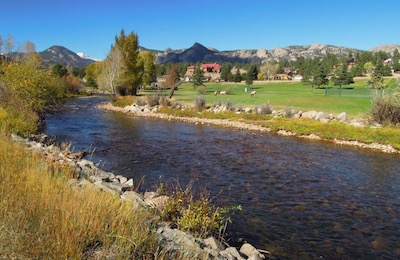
{"x":174,"y":243}
{"x":146,"y":111}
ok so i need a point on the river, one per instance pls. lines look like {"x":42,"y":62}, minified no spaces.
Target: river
{"x":300,"y":198}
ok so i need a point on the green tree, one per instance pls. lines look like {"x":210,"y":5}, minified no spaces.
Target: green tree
{"x":226,"y":72}
{"x":59,"y":70}
{"x":369,"y":67}
{"x":249,"y":79}
{"x":357,"y":71}
{"x":342,"y":76}
{"x":237,"y":77}
{"x":387,"y":71}
{"x":146,"y":60}
{"x":396,"y":60}
{"x":253,"y":72}
{"x":376,"y":80}
{"x":131,"y":76}
{"x":197,"y":76}
{"x":78,"y":72}
{"x":320,"y":76}
{"x":91,"y":73}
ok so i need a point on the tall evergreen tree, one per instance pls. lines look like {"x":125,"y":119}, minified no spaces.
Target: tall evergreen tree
{"x":237,"y":77}
{"x":198,"y":76}
{"x":396,"y":60}
{"x":131,"y":69}
{"x":321,"y":76}
{"x":249,"y":79}
{"x":226,"y":72}
{"x":342,"y":76}
{"x":376,"y":80}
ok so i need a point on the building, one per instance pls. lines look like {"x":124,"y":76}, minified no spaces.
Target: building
{"x":208,"y":67}
{"x":211,"y":70}
{"x":282,"y":77}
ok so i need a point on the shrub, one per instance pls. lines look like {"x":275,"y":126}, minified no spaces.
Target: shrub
{"x":123,"y":101}
{"x":217,"y":103}
{"x":164,"y":101}
{"x":199,"y":103}
{"x":201,"y":90}
{"x":386,"y":105}
{"x":289,"y":112}
{"x":140,"y":101}
{"x":153,"y":99}
{"x":265,"y":109}
{"x":256,"y":108}
{"x":230,"y":106}
{"x":229,"y":91}
{"x":193,"y":212}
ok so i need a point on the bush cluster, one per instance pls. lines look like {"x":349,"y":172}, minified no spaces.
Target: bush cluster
{"x":199,"y":103}
{"x":193,"y":212}
{"x":386,"y":105}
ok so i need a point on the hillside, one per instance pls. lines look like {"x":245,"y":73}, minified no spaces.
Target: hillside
{"x":64,"y":56}
{"x":199,"y":53}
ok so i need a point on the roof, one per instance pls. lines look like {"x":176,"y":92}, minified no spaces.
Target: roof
{"x":214,"y":66}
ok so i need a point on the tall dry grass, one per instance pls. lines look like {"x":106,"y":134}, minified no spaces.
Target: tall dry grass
{"x":42,"y":216}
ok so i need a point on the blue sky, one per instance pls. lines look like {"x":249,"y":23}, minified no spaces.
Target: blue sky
{"x":90,"y":26}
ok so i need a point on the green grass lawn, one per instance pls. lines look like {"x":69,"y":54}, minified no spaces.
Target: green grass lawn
{"x":355,"y":100}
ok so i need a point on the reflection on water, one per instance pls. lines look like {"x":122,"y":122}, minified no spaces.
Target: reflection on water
{"x":300,"y":198}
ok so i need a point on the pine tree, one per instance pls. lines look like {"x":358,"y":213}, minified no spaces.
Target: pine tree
{"x":197,"y":76}
{"x":342,"y":76}
{"x":320,"y":77}
{"x":376,"y":80}
{"x":237,"y":77}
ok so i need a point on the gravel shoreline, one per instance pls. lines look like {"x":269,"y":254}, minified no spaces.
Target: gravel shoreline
{"x":234,"y":124}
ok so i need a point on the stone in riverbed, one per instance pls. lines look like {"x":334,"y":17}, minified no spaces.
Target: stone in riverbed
{"x":129,"y":182}
{"x":231,"y":253}
{"x":249,"y":250}
{"x":214,"y":244}
{"x":121,"y":179}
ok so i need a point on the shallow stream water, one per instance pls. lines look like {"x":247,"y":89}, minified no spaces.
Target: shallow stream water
{"x":300,"y":198}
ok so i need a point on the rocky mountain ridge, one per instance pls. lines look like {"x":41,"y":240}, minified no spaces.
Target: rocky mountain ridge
{"x":64,"y":56}
{"x":199,"y":53}
{"x":386,"y":48}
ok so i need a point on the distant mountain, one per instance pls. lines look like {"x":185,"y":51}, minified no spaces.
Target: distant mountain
{"x":386,"y":48}
{"x":199,"y":53}
{"x":59,"y":54}
{"x":86,"y":57}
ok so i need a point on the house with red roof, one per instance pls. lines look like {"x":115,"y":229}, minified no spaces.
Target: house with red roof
{"x":211,"y":70}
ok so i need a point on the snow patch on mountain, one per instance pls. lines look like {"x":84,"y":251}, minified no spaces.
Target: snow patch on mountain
{"x":87,"y":57}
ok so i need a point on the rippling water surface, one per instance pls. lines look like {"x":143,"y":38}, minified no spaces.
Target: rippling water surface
{"x":300,"y":199}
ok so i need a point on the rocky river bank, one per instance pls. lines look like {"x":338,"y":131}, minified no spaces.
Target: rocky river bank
{"x":152,"y":112}
{"x":175,"y":241}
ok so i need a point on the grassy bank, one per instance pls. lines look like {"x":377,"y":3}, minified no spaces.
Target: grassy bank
{"x":41,"y":216}
{"x":355,"y":99}
{"x":389,"y":135}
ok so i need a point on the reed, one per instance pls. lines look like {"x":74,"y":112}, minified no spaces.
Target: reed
{"x":42,"y":216}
